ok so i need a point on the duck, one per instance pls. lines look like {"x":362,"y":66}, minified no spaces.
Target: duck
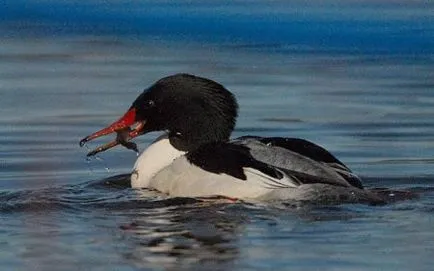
{"x":195,"y":157}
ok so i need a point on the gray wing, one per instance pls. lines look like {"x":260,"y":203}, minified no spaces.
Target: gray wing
{"x":304,"y":160}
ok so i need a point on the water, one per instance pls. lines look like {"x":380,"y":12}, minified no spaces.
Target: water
{"x":339,"y":74}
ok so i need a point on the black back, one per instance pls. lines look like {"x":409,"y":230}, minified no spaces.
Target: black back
{"x":229,"y":159}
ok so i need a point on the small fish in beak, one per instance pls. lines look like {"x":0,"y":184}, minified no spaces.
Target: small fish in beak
{"x":124,"y":133}
{"x":122,"y":138}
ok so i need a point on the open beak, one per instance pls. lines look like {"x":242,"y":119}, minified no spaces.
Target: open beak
{"x":124,"y":129}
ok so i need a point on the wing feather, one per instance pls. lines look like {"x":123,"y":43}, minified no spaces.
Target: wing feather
{"x":307,"y":161}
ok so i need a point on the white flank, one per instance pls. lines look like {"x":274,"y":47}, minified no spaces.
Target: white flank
{"x":183,"y":179}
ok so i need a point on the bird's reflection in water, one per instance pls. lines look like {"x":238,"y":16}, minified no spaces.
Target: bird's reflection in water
{"x":197,"y":233}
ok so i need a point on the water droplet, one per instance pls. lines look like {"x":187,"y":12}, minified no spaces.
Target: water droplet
{"x":89,"y":165}
{"x":89,"y":160}
{"x":98,"y":158}
{"x":103,"y":162}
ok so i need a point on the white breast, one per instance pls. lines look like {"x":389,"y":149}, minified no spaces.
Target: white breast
{"x":157,"y":156}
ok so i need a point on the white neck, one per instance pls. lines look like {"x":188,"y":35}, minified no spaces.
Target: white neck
{"x":157,"y":156}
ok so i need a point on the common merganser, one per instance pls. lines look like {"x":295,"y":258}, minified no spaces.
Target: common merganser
{"x":196,"y":158}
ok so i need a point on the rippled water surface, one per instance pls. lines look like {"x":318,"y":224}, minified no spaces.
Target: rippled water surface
{"x":367,"y":96}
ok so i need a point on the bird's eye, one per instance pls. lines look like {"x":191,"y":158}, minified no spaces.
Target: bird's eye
{"x":150,"y":103}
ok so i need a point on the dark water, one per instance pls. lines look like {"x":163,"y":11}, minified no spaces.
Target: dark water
{"x":355,"y":77}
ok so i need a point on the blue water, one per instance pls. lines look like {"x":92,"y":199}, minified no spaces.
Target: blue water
{"x":353,"y":76}
{"x":387,"y":27}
